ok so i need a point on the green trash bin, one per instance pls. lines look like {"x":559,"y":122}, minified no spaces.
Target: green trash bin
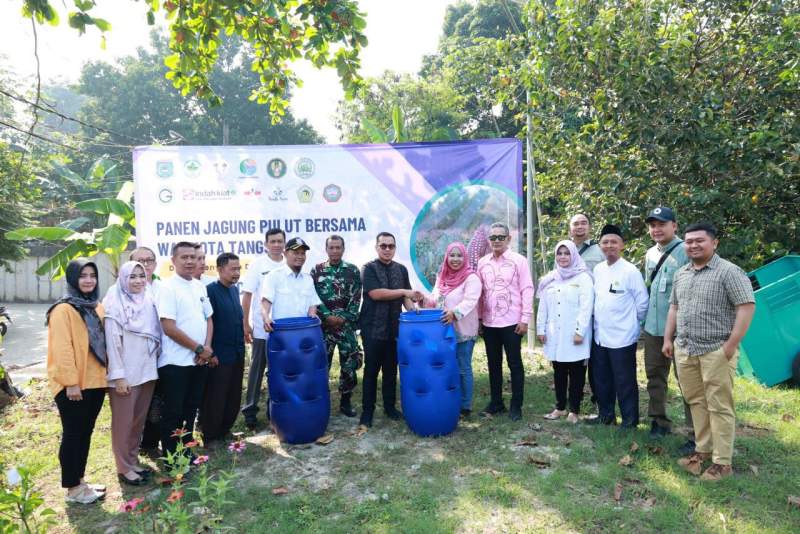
{"x":772,"y":343}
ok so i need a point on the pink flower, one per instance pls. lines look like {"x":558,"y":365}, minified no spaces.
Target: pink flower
{"x":200,"y":460}
{"x":237,"y":447}
{"x":175,"y":496}
{"x":191,"y":444}
{"x":131,"y":505}
{"x":178,"y":432}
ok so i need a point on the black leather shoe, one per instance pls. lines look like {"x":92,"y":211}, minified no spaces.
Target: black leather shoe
{"x":394,"y":414}
{"x":515,"y":414}
{"x":657,"y":431}
{"x":599,"y":421}
{"x":347,"y":410}
{"x":135,"y":482}
{"x":366,"y":420}
{"x":492,"y":409}
{"x":687,"y":448}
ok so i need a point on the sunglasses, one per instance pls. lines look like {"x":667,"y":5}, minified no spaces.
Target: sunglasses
{"x":387,"y":246}
{"x":497,"y":237}
{"x":147,"y":261}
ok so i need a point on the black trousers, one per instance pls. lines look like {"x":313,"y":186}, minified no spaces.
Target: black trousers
{"x":380,"y":355}
{"x":615,"y":380}
{"x":152,"y":430}
{"x":77,"y":425}
{"x":255,"y":377}
{"x":569,"y":376}
{"x":221,"y":400}
{"x":497,"y":339}
{"x":181,"y":389}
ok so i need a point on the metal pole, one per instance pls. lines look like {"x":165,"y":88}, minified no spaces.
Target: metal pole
{"x":529,"y":168}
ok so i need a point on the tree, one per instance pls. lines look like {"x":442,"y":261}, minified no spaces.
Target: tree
{"x":395,"y":108}
{"x":17,"y":190}
{"x":133,"y":97}
{"x":329,"y":33}
{"x":691,"y":105}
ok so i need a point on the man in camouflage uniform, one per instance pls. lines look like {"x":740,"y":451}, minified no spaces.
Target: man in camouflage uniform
{"x":338,"y":285}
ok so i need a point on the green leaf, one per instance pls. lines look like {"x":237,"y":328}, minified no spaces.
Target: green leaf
{"x":151,"y":18}
{"x":102,"y":24}
{"x":397,"y":124}
{"x":107,"y":206}
{"x":55,"y":266}
{"x":45,"y":233}
{"x":112,"y":239}
{"x":172,"y":61}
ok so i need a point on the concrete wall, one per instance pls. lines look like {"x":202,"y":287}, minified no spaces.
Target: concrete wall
{"x":23,"y":284}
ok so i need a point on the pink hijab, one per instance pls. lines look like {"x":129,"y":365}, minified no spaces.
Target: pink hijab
{"x":576,"y":266}
{"x":449,"y":279}
{"x":134,"y":312}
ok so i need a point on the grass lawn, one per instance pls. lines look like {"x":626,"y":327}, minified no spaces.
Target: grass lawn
{"x":491,"y":475}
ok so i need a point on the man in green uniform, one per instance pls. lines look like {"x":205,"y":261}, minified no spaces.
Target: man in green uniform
{"x":338,"y":285}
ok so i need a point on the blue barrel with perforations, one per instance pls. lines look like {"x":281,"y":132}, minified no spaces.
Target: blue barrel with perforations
{"x":430,"y":391}
{"x":300,"y":402}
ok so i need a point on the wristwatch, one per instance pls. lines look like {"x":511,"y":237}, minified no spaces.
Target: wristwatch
{"x":199,"y":349}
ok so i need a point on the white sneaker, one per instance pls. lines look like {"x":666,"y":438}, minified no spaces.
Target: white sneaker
{"x":85,"y":496}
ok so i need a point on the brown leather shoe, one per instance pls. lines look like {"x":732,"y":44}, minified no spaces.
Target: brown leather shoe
{"x":716,"y":472}
{"x":694,"y":462}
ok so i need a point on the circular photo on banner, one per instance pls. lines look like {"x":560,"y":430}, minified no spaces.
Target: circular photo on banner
{"x":462,"y":212}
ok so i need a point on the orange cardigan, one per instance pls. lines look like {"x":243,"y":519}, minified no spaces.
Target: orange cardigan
{"x":69,"y":361}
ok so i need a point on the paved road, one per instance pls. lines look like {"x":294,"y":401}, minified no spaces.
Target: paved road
{"x":25,"y":344}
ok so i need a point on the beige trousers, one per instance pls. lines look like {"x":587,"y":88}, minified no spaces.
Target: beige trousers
{"x":707,"y":385}
{"x":128,"y":414}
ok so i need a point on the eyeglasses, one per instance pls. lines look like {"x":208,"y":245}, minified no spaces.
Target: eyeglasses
{"x":387,"y":246}
{"x":147,"y":261}
{"x":497,"y":237}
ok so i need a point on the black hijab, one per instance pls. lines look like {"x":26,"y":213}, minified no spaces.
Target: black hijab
{"x":84,"y":304}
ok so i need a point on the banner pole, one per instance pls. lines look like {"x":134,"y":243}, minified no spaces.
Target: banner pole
{"x":529,"y":248}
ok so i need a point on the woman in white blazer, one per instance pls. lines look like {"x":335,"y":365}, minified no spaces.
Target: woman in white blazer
{"x":563,"y":326}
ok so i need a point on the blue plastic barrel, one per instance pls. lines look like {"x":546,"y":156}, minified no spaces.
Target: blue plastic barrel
{"x":300,"y":403}
{"x":430,"y":391}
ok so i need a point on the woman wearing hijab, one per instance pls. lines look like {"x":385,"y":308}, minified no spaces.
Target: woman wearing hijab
{"x":76,"y":371}
{"x":563,"y":325}
{"x":133,"y":339}
{"x":457,"y":292}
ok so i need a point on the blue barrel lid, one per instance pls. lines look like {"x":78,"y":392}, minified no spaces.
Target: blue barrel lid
{"x":295,"y":323}
{"x":421,"y":316}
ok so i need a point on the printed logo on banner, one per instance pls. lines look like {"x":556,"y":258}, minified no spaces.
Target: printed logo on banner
{"x":277,"y":194}
{"x":164,"y":169}
{"x":221,"y":168}
{"x":276,"y":168}
{"x":248,"y":167}
{"x":165,"y":195}
{"x":305,"y":194}
{"x":304,"y":168}
{"x":208,"y":194}
{"x":332,"y":193}
{"x":192,"y":168}
{"x":252,"y":192}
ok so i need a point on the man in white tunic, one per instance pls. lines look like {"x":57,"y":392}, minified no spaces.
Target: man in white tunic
{"x":286,"y":291}
{"x":620,"y":305}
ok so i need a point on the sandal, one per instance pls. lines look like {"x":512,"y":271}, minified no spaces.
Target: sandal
{"x":555,"y":414}
{"x":572,"y":418}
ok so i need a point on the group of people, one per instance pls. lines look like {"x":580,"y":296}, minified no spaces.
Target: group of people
{"x":693,"y":307}
{"x":171,"y":352}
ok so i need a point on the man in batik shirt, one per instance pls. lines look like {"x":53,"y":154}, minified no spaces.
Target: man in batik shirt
{"x":338,"y":286}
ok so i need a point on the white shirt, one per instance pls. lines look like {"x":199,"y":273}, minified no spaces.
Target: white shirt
{"x":207,"y":279}
{"x":620,"y":304}
{"x":152,"y":290}
{"x":565,"y":309}
{"x":186,"y":302}
{"x":261,"y":267}
{"x":291,"y":294}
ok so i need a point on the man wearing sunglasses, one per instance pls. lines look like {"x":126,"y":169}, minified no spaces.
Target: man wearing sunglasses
{"x":387,"y":290}
{"x":506,"y":307}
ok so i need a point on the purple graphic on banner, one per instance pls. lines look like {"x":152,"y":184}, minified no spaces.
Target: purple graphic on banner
{"x":457,"y":189}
